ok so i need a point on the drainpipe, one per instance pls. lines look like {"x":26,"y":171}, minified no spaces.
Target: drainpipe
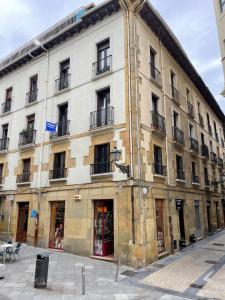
{"x":130,"y":122}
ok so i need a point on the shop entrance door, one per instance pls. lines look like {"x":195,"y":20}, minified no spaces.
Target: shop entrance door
{"x":22,"y":223}
{"x":197,"y":220}
{"x":217,"y":214}
{"x":160,"y":225}
{"x":103,"y":228}
{"x":181,"y":222}
{"x":208,"y":217}
{"x":57,"y":225}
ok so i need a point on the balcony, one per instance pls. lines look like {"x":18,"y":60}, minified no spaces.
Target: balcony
{"x":4,"y":144}
{"x":175,"y":95}
{"x":180,"y":175}
{"x":155,"y":75}
{"x":23,"y":178}
{"x":27,"y":138}
{"x":201,"y":120}
{"x":217,"y":137}
{"x":62,"y":83}
{"x":58,"y":174}
{"x":194,"y":147}
{"x":190,"y":110}
{"x":99,"y":168}
{"x":62,"y":131}
{"x":102,"y":66}
{"x":195,"y":179}
{"x":6,"y":106}
{"x":220,"y":162}
{"x":31,"y":97}
{"x":159,"y":169}
{"x":102,"y":118}
{"x":213,"y":157}
{"x":178,"y":136}
{"x":205,"y":151}
{"x":210,"y":129}
{"x":158,"y":123}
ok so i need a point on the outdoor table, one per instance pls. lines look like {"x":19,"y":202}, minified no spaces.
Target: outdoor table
{"x":4,"y":247}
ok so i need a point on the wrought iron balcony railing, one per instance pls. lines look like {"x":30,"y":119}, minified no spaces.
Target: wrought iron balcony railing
{"x":4,"y":144}
{"x":101,"y":167}
{"x":194,"y":146}
{"x":195,"y":179}
{"x":175,"y":94}
{"x":178,"y":135}
{"x":158,"y":122}
{"x":31,"y":96}
{"x":27,"y":137}
{"x":101,"y":66}
{"x":62,"y":83}
{"x":102,"y":117}
{"x":24,"y":177}
{"x":62,"y":129}
{"x":6,"y":106}
{"x":159,"y":169}
{"x":205,"y":151}
{"x":155,"y":74}
{"x":190,"y":109}
{"x":58,"y":173}
{"x":213,"y":157}
{"x":180,"y":175}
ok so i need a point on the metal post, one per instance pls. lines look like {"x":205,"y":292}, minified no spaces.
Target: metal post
{"x":83,"y":280}
{"x":117,"y":269}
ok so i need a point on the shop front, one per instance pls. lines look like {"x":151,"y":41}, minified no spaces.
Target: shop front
{"x":56,"y":235}
{"x":180,"y":208}
{"x":103,"y":228}
{"x":160,"y":225}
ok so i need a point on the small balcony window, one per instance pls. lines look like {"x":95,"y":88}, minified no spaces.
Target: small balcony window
{"x":178,"y":136}
{"x":102,"y":163}
{"x":59,"y":171}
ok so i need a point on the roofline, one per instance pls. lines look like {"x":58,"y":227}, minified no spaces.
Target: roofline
{"x":153,"y":19}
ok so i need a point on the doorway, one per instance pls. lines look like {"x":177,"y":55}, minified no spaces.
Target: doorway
{"x":57,"y":225}
{"x":217,"y":214}
{"x":181,"y":222}
{"x":160,"y":225}
{"x":197,"y":219}
{"x":103,"y":228}
{"x":208,"y":216}
{"x":22,"y":223}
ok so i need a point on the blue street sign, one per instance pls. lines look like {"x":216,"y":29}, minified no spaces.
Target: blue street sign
{"x":51,"y":127}
{"x":79,"y":13}
{"x":33,"y":214}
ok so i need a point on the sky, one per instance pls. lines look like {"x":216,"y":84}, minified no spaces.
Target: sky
{"x":193,"y":23}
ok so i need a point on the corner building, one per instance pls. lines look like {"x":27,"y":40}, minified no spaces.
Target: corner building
{"x":108,"y":76}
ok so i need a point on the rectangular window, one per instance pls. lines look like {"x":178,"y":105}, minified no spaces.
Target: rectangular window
{"x":1,"y":172}
{"x":32,"y":95}
{"x":155,"y":101}
{"x":63,"y":124}
{"x":179,"y":164}
{"x":191,"y":131}
{"x":152,"y":63}
{"x":5,"y":128}
{"x":103,"y":57}
{"x":26,"y":166}
{"x":175,"y":119}
{"x":193,"y":169}
{"x":158,"y":163}
{"x":103,"y":108}
{"x":63,"y":82}
{"x":59,"y":161}
{"x":8,"y":100}
{"x":102,"y":159}
{"x":9,"y":94}
{"x":188,"y":94}
{"x":30,"y":122}
{"x":222,"y":5}
{"x":202,"y":139}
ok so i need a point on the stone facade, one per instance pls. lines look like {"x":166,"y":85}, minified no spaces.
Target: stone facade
{"x":146,"y":213}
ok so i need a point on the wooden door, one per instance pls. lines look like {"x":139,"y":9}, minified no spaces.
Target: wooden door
{"x":22,"y":223}
{"x":160,"y":226}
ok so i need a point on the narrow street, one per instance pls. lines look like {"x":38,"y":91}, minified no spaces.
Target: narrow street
{"x":197,"y":272}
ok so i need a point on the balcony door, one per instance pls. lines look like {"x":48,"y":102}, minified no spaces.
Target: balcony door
{"x":63,"y":118}
{"x":59,"y":165}
{"x":103,"y":107}
{"x":33,"y":88}
{"x":158,"y":160}
{"x":160,"y":225}
{"x":64,"y":74}
{"x":5,"y":129}
{"x":26,"y":170}
{"x":103,"y":49}
{"x":30,"y":122}
{"x":102,"y":158}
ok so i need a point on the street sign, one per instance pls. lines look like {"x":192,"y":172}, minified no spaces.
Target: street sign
{"x":33,"y":214}
{"x":51,"y":127}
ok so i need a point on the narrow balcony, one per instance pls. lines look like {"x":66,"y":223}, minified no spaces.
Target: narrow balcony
{"x":102,"y":118}
{"x":205,"y":151}
{"x":62,"y":131}
{"x":220,"y":162}
{"x":175,"y":95}
{"x":217,"y":137}
{"x":159,"y":169}
{"x":180,"y":175}
{"x":101,"y":168}
{"x":213,"y":157}
{"x":31,"y":97}
{"x":195,"y":179}
{"x":23,"y":178}
{"x":178,"y":136}
{"x":27,"y":137}
{"x":155,"y":75}
{"x":102,"y":66}
{"x":7,"y":106}
{"x":190,"y":110}
{"x":58,"y":174}
{"x":194,"y":147}
{"x":4,"y":144}
{"x":201,"y":120}
{"x":158,"y":123}
{"x":62,"y":83}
